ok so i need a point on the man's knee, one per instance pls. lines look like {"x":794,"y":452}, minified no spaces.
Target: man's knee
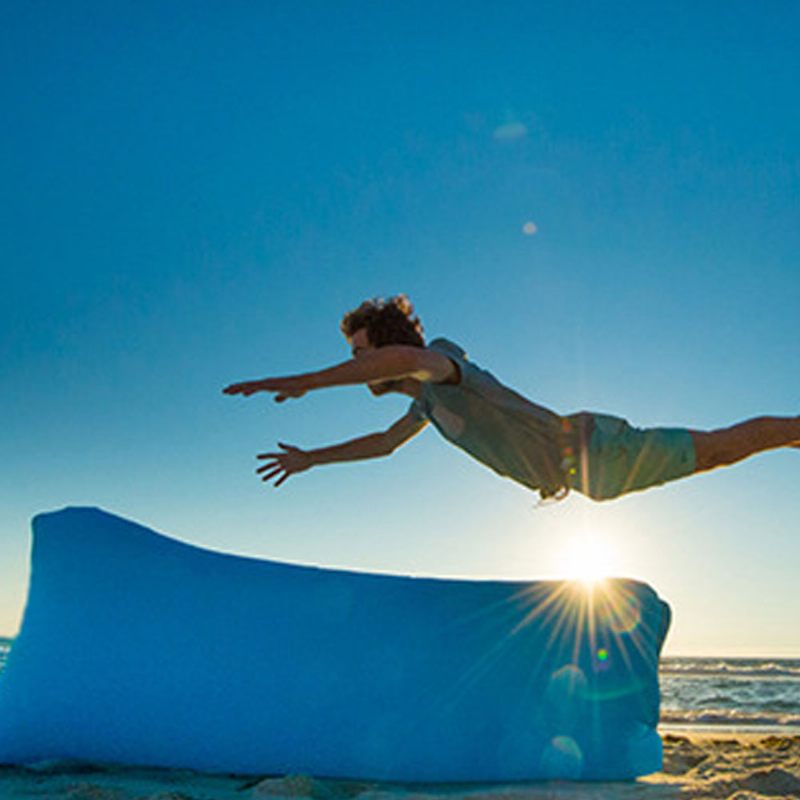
{"x":724,"y":446}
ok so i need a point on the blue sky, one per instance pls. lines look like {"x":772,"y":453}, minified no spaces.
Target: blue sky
{"x":194,"y":195}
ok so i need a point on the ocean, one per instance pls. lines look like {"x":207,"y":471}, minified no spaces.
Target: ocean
{"x":747,"y":694}
{"x":724,"y":694}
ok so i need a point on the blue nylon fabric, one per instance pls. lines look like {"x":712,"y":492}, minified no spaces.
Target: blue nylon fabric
{"x":136,"y":648}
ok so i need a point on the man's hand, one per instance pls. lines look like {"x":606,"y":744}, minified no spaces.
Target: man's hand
{"x":283,"y":387}
{"x":290,"y":462}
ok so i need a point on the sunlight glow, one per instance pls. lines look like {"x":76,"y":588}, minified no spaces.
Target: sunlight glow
{"x":587,"y":559}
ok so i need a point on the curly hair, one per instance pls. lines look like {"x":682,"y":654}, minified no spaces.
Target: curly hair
{"x":389,"y":321}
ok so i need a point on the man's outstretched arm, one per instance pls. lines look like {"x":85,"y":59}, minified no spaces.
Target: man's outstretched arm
{"x":293,"y":460}
{"x":394,"y":361}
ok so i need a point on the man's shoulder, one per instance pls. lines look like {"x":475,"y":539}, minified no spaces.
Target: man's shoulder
{"x":470,"y":375}
{"x":447,"y":347}
{"x":456,"y":358}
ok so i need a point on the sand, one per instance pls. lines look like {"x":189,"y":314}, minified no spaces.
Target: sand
{"x":696,"y":765}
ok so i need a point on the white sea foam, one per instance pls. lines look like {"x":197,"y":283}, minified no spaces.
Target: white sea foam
{"x":732,"y":668}
{"x":729,"y":717}
{"x":5,"y":647}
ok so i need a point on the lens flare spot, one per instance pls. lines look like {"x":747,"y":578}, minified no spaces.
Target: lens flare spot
{"x":529,"y":228}
{"x":566,"y":682}
{"x":602,"y":660}
{"x":510,"y":132}
{"x":562,"y":758}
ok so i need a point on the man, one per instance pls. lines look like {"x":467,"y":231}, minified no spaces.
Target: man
{"x":600,"y":455}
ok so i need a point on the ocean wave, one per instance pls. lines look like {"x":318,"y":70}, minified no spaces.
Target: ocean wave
{"x":731,"y":669}
{"x":722,"y":716}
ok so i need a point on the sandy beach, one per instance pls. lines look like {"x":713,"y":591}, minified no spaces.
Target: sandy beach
{"x":733,"y":766}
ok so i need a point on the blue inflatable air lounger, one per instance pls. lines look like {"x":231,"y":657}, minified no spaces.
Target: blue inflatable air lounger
{"x":139,"y":649}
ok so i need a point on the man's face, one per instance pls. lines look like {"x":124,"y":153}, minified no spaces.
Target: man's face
{"x":360,"y":344}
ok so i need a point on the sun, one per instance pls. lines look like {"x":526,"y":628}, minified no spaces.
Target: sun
{"x":587,"y":559}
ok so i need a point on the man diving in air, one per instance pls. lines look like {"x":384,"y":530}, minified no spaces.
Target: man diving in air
{"x":599,"y":455}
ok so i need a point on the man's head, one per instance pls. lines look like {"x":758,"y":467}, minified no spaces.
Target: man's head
{"x":377,"y":323}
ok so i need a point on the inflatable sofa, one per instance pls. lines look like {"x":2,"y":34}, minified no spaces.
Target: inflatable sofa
{"x":139,"y":649}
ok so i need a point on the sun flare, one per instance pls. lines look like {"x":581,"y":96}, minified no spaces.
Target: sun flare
{"x":587,"y":559}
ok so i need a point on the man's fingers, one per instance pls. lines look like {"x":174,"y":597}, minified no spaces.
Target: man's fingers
{"x":281,"y":480}
{"x":270,"y":465}
{"x":272,"y":474}
{"x":277,"y":455}
{"x":245,"y":387}
{"x":245,"y":390}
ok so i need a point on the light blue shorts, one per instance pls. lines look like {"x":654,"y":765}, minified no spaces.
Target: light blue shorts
{"x":620,"y":458}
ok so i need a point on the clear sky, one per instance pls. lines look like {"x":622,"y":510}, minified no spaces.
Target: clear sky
{"x":194,"y":194}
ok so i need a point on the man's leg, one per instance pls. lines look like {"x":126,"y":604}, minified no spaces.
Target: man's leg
{"x":729,"y":445}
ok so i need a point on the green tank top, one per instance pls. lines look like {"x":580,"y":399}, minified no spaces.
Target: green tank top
{"x":502,"y":429}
